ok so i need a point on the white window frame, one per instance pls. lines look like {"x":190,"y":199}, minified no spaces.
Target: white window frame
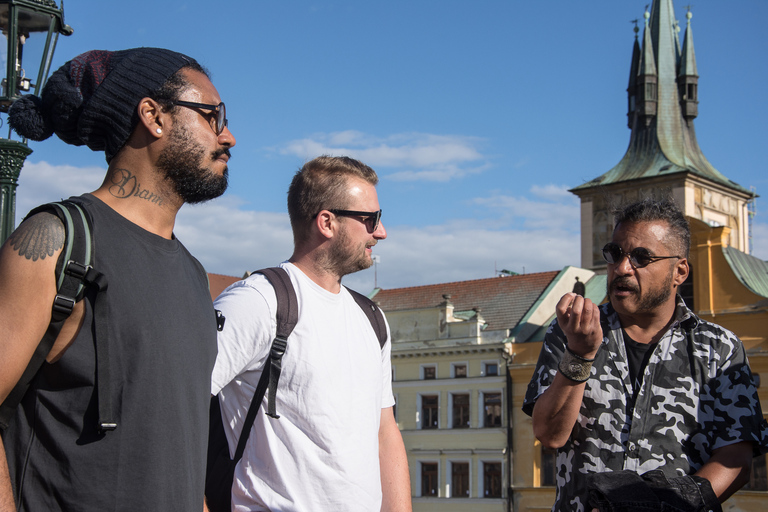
{"x":420,"y":408}
{"x":481,"y":477}
{"x":481,"y":407}
{"x":418,"y":487}
{"x":459,"y":363}
{"x":421,"y":370}
{"x":450,"y":407}
{"x":498,"y":368}
{"x":449,"y":477}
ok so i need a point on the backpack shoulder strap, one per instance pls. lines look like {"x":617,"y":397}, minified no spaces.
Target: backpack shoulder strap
{"x":74,"y":272}
{"x":287,"y":315}
{"x":374,"y":314}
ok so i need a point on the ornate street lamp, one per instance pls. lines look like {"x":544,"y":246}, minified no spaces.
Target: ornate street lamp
{"x":23,"y":23}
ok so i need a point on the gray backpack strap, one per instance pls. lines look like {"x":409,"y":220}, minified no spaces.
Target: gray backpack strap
{"x":74,"y":274}
{"x":287,"y":316}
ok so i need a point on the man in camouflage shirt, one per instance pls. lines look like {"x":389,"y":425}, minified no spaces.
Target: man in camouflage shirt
{"x":641,"y":383}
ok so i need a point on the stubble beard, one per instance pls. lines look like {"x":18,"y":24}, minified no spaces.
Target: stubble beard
{"x":181,"y":165}
{"x":651,"y":300}
{"x":345,"y":260}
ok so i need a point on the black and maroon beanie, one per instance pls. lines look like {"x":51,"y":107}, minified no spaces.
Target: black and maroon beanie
{"x":92,"y":99}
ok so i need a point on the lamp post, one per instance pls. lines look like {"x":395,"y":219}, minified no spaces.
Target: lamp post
{"x":21,"y":21}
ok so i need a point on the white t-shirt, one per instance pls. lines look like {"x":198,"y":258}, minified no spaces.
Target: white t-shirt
{"x":323,"y":452}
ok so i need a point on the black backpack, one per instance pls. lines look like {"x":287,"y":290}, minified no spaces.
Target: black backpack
{"x":220,"y":472}
{"x":75,"y":277}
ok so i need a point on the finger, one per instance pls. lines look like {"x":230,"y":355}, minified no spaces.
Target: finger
{"x":563,"y":308}
{"x":586,"y":313}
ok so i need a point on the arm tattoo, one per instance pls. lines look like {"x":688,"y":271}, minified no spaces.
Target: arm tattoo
{"x":39,"y":236}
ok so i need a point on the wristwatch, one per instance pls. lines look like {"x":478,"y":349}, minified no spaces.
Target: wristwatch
{"x":575,"y":367}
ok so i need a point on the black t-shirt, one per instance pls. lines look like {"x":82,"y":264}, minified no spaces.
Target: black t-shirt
{"x":638,"y":355}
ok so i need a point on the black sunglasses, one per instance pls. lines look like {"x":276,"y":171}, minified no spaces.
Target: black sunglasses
{"x":639,"y":257}
{"x":220,"y":110}
{"x":370,"y":217}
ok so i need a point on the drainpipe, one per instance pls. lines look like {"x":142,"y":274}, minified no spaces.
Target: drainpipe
{"x":508,"y":358}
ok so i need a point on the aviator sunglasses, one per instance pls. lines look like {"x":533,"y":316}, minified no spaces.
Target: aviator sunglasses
{"x":371,"y":218}
{"x":220,"y":110}
{"x":639,"y":257}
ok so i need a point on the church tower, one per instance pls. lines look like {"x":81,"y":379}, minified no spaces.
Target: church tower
{"x":663,"y":157}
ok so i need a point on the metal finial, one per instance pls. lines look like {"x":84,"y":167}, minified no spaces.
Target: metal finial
{"x":636,"y":29}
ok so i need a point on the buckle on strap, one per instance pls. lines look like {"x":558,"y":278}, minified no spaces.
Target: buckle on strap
{"x":63,"y":305}
{"x":107,"y":426}
{"x":278,"y":348}
{"x":77,"y":270}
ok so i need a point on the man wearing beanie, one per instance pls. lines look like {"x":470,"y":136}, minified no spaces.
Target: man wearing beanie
{"x":163,"y":129}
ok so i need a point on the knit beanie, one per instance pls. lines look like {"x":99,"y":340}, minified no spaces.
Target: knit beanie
{"x":92,"y":99}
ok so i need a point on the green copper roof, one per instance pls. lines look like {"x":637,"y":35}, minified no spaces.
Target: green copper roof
{"x":665,"y":144}
{"x":751,"y":271}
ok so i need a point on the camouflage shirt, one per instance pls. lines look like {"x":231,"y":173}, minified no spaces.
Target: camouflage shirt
{"x":696,"y":395}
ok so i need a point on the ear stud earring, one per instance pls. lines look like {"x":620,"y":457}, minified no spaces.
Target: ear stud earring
{"x":159,"y":131}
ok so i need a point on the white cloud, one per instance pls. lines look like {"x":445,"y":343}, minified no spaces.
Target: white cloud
{"x":42,"y":182}
{"x":230,"y":240}
{"x":423,"y":157}
{"x":557,"y":211}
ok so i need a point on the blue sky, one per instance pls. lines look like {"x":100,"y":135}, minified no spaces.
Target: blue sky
{"x":478,"y":117}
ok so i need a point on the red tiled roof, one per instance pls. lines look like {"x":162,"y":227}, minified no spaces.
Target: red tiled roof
{"x":218,"y":283}
{"x":503,"y":300}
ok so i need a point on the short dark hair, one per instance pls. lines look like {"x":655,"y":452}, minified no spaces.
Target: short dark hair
{"x":321,"y":184}
{"x":664,"y":210}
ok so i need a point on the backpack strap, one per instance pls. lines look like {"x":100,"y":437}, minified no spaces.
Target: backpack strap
{"x":74,"y":273}
{"x":374,"y":314}
{"x":287,"y":316}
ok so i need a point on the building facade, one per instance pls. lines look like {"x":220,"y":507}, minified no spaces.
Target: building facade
{"x":452,"y":347}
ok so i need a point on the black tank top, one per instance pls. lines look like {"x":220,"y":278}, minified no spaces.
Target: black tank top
{"x":162,"y":348}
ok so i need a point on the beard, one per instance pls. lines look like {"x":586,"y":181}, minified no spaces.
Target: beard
{"x":181,"y":165}
{"x":344,"y":259}
{"x":648,"y":301}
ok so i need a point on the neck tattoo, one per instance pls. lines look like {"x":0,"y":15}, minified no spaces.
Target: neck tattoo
{"x":125,"y":185}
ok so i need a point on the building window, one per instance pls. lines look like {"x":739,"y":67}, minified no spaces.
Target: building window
{"x":429,"y":479}
{"x":492,"y":410}
{"x":429,"y":372}
{"x":548,"y":467}
{"x":460,"y":406}
{"x":492,"y":479}
{"x":758,"y":477}
{"x":491,"y":369}
{"x":459,"y":479}
{"x":429,"y":411}
{"x":459,"y":371}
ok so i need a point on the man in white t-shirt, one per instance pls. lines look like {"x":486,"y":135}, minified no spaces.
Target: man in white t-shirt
{"x":336,"y":446}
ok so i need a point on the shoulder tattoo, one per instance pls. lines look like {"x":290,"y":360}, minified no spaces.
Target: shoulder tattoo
{"x":39,"y":236}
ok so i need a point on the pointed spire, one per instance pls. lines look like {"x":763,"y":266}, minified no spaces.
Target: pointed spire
{"x":688,"y":77}
{"x":647,"y":76}
{"x":632,"y":87}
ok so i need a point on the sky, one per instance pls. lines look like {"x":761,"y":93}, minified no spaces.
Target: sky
{"x":478,"y":116}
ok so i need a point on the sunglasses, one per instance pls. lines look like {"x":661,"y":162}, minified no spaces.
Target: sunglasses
{"x":220,"y":110}
{"x":639,"y":257}
{"x":371,"y":218}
